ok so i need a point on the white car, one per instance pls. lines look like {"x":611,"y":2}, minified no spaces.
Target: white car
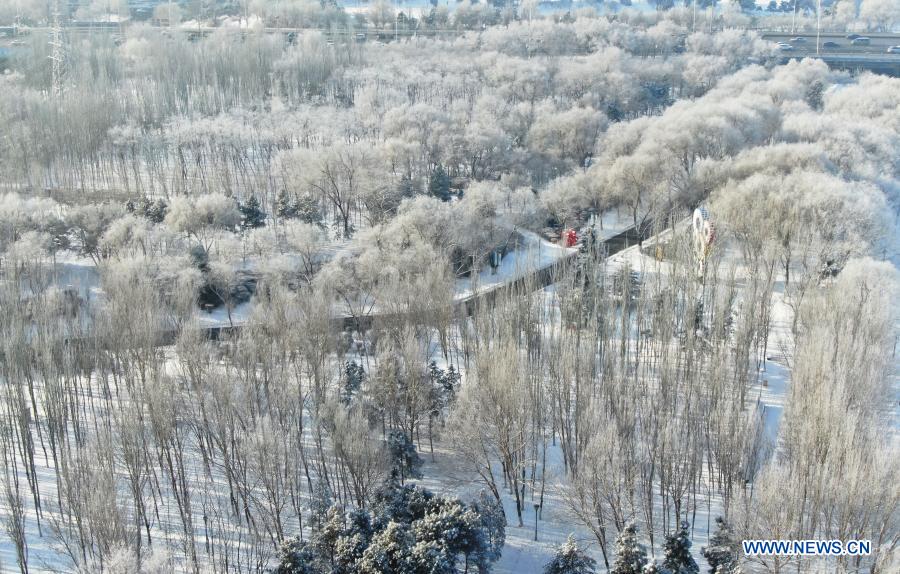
{"x":893,"y":50}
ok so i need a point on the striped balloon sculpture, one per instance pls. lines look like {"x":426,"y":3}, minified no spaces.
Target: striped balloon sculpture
{"x":704,"y":235}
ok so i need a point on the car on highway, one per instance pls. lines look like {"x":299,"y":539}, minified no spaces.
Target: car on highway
{"x":861,"y":41}
{"x":852,"y":36}
{"x":798,"y":40}
{"x":893,"y":50}
{"x":830,"y":45}
{"x":785,"y":47}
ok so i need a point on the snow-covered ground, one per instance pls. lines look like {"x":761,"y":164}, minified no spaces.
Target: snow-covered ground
{"x":528,"y":255}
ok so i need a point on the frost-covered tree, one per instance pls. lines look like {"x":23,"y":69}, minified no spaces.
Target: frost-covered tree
{"x":390,"y":551}
{"x":439,"y":183}
{"x":566,"y":136}
{"x":326,"y":533}
{"x":301,"y":245}
{"x":570,"y":559}
{"x":252,"y":215}
{"x":567,"y":199}
{"x":830,"y":421}
{"x":355,"y":538}
{"x":452,"y":525}
{"x":354,"y":376}
{"x":154,"y":210}
{"x":202,"y":217}
{"x":89,"y":223}
{"x":493,"y":523}
{"x":432,"y":558}
{"x":401,"y":503}
{"x":340,"y":175}
{"x":405,"y":460}
{"x":721,"y":554}
{"x":493,"y":412}
{"x":630,"y":555}
{"x":677,"y":549}
{"x":127,"y":235}
{"x":302,"y":206}
{"x":285,"y":207}
{"x":295,"y":556}
{"x":881,"y":15}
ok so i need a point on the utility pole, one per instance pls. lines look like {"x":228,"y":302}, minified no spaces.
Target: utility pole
{"x":693,"y":15}
{"x":818,"y":23}
{"x":57,"y":52}
{"x":794,"y":17}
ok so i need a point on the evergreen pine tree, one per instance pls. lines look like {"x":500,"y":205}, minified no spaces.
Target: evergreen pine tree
{"x":306,"y":209}
{"x":295,"y":557}
{"x":58,"y":230}
{"x":653,"y":568}
{"x":139,"y":206}
{"x":451,"y":381}
{"x":354,"y":376}
{"x":321,"y":502}
{"x":444,"y":385}
{"x":404,"y":458}
{"x":143,"y":206}
{"x":359,"y":521}
{"x":721,"y":554}
{"x":437,"y":390}
{"x":251,"y":214}
{"x":285,"y":206}
{"x":199,"y":257}
{"x":451,"y":525}
{"x":406,"y":187}
{"x":439,"y":183}
{"x":630,"y":555}
{"x":350,"y":546}
{"x":325,"y":536}
{"x":814,"y":94}
{"x":409,"y":530}
{"x":390,"y":551}
{"x":400,"y":503}
{"x":570,"y":559}
{"x":156,"y":212}
{"x":428,"y":557}
{"x":493,"y":522}
{"x":677,"y":547}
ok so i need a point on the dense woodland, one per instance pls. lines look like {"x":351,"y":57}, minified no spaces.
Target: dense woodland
{"x":324,"y":196}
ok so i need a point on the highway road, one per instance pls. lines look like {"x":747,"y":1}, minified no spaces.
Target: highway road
{"x":879,"y":44}
{"x":844,"y":56}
